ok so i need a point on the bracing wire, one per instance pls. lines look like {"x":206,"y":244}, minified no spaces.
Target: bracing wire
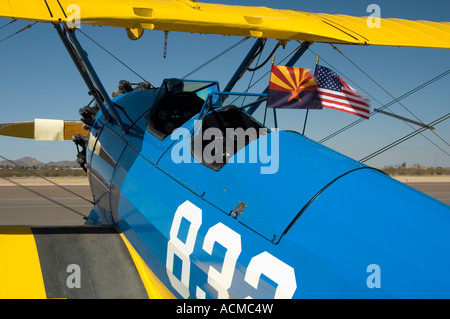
{"x":416,"y":89}
{"x":404,"y":138}
{"x":267,"y":72}
{"x":384,"y":90}
{"x":384,"y":106}
{"x":43,"y":196}
{"x":250,"y":85}
{"x":215,"y":58}
{"x":113,"y":56}
{"x":17,"y":32}
{"x":34,"y":173}
{"x":7,"y":24}
{"x":48,"y":180}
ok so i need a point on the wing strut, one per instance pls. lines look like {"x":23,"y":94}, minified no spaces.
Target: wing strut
{"x":245,"y":64}
{"x":88,"y":73}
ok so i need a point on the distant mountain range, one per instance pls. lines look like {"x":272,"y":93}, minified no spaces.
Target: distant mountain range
{"x":30,"y":162}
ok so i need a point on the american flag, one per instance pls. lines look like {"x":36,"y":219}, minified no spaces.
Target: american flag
{"x":336,"y":94}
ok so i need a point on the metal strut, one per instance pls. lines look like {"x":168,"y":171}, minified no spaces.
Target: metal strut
{"x":245,"y":64}
{"x":88,"y":74}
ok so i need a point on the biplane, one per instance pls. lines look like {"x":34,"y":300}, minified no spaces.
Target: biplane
{"x":184,"y":210}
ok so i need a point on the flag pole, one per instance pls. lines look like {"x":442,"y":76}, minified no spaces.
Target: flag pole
{"x":304,"y":124}
{"x":265,"y":111}
{"x":307,"y":110}
{"x":275,"y":121}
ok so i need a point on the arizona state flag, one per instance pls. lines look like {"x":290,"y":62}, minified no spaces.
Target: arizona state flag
{"x":292,"y":88}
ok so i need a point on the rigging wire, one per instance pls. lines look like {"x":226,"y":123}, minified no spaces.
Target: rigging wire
{"x":257,"y":54}
{"x":113,"y":56}
{"x":12,"y":21}
{"x":253,"y":73}
{"x":404,"y":138}
{"x":345,"y":76}
{"x":265,"y":74}
{"x":34,"y":173}
{"x":88,"y":37}
{"x":384,"y":90}
{"x":215,"y":57}
{"x":48,"y":180}
{"x":395,"y":100}
{"x":374,"y":112}
{"x":17,"y":32}
{"x":44,"y":196}
{"x":418,"y":88}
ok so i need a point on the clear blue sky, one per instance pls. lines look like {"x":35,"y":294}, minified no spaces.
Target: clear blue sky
{"x":38,"y":79}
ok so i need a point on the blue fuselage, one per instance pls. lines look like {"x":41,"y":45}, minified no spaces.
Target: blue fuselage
{"x":319,"y":225}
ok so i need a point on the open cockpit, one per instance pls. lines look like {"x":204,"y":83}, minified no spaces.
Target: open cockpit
{"x":221,"y":125}
{"x":176,"y":103}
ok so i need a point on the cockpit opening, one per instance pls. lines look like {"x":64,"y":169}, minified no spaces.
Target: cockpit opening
{"x":225,"y":130}
{"x":224,"y":125}
{"x":177,"y":102}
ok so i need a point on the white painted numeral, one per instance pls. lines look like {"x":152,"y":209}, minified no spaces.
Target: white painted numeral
{"x":276,"y":270}
{"x":183,"y":249}
{"x":220,"y":277}
{"x":228,"y":238}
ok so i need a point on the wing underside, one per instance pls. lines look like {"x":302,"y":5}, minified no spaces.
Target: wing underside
{"x":259,"y":22}
{"x":72,"y":262}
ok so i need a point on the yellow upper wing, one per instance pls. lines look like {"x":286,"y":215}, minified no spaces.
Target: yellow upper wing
{"x":261,"y":22}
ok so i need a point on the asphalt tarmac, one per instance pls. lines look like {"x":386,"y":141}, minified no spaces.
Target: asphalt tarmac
{"x":55,"y":206}
{"x":44,"y":205}
{"x":439,"y":191}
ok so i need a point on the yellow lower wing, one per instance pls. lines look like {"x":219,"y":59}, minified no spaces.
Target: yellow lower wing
{"x":63,"y":262}
{"x":20,"y":270}
{"x":260,"y":22}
